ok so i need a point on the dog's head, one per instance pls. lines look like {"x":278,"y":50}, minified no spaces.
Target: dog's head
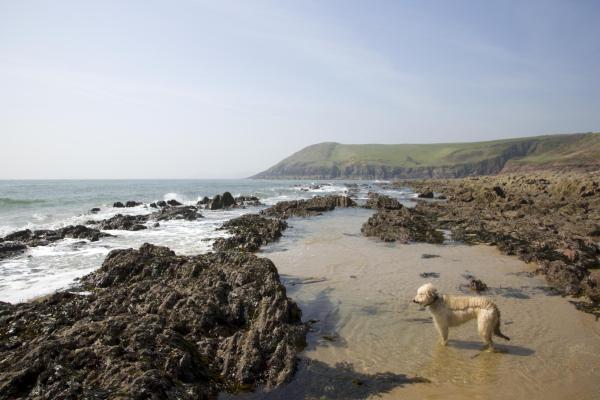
{"x":426,"y":295}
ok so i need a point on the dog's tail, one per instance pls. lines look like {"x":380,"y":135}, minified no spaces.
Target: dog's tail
{"x":497,"y":327}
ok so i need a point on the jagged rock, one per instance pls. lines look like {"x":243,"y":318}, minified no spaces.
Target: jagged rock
{"x":250,"y":232}
{"x":162,"y":204}
{"x":95,"y":210}
{"x":156,"y":325}
{"x":118,"y":204}
{"x":11,"y":249}
{"x":426,"y":195}
{"x":305,"y":208}
{"x":216,"y":203}
{"x":123,"y":222}
{"x":403,"y":225}
{"x":174,"y":203}
{"x":248,"y":201}
{"x":153,"y":205}
{"x":540,"y":218}
{"x":44,"y":237}
{"x":188,"y":213}
{"x":379,"y":201}
{"x":228,"y":200}
{"x":205,"y":200}
{"x":132,"y":203}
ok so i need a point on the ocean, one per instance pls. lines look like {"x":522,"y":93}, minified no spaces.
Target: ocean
{"x":51,"y":204}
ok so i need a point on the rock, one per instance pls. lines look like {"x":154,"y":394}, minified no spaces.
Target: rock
{"x":250,"y":232}
{"x":403,"y":225}
{"x":118,"y":204}
{"x":188,"y":213}
{"x":95,"y":210}
{"x":477,"y":285}
{"x":540,"y":218}
{"x":132,"y":203}
{"x":161,"y":204}
{"x":81,"y":232}
{"x":174,"y":203}
{"x":426,"y":256}
{"x":248,"y":201}
{"x":499,"y":191}
{"x":43,"y":237}
{"x":378,"y":201}
{"x":156,"y":325}
{"x":124,"y":222}
{"x":216,"y":203}
{"x":429,"y":275}
{"x":153,"y":205}
{"x":205,"y":200}
{"x":11,"y":249}
{"x":426,"y":195}
{"x":305,"y":208}
{"x":228,"y":200}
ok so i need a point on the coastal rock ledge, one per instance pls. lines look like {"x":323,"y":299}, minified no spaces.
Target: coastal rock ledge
{"x":154,"y":325}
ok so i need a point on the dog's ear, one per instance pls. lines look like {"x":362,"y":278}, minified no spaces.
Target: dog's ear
{"x":431,"y":289}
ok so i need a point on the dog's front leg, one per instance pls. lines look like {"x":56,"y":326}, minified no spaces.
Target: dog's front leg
{"x":442,"y":328}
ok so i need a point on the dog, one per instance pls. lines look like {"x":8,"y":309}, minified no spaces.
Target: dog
{"x":450,"y":311}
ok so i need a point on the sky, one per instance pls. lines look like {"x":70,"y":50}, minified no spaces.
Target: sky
{"x":225,"y":89}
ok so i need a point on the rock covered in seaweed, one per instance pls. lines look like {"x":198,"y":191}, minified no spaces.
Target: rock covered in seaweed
{"x":305,"y":208}
{"x":43,"y":237}
{"x":550,"y":219}
{"x":379,"y":201}
{"x":123,"y":222}
{"x":250,"y":232}
{"x":403,"y":225}
{"x":156,"y":325}
{"x":188,"y":213}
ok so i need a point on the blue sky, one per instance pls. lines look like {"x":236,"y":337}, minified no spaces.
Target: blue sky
{"x":195,"y":89}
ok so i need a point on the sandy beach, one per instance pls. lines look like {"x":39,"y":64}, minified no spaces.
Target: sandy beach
{"x":370,"y":341}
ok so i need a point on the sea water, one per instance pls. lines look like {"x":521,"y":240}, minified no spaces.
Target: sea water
{"x":51,"y":204}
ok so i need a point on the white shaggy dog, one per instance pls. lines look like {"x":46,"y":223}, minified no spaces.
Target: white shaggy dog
{"x":450,"y":311}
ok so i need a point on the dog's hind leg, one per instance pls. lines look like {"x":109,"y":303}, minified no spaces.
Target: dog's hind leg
{"x":485,"y":327}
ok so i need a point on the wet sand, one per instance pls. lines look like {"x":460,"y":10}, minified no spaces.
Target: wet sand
{"x":370,"y":341}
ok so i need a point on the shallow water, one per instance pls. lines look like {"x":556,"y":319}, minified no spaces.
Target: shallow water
{"x":370,"y":341}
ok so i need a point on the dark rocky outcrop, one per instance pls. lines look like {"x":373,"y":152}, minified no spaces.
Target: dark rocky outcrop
{"x":46,"y":236}
{"x":132,"y":203}
{"x":188,"y":213}
{"x":305,"y":208}
{"x":379,"y":201}
{"x":205,"y":200}
{"x":426,"y":195}
{"x":11,"y":249}
{"x":248,"y":201}
{"x":402,"y":225}
{"x":219,"y":202}
{"x":550,"y":219}
{"x":161,"y":204}
{"x":95,"y":210}
{"x":173,"y":203}
{"x":118,"y":204}
{"x":228,"y":200}
{"x":155,"y":326}
{"x":123,"y":222}
{"x":250,"y":232}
